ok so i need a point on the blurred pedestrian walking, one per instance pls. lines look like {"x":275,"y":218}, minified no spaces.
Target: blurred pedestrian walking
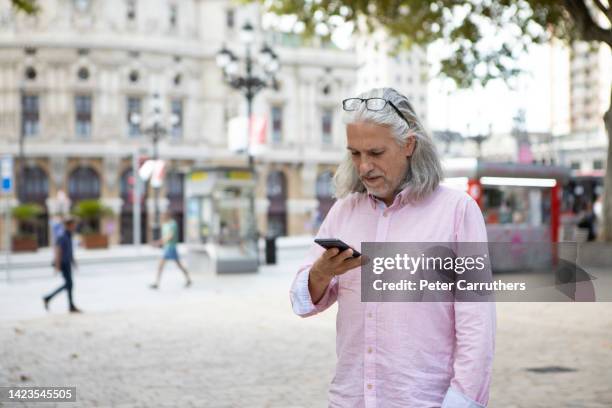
{"x":57,"y":228}
{"x":169,"y":242}
{"x":587,"y":221}
{"x":63,"y":262}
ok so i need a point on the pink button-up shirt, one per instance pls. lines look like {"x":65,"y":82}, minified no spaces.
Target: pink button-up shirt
{"x":403,"y":354}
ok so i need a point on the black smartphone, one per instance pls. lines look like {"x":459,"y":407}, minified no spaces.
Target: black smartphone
{"x":328,"y":243}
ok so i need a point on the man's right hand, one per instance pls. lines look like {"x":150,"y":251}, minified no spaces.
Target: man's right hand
{"x":331,"y":263}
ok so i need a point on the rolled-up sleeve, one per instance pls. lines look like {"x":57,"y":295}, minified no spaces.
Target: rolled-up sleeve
{"x":475,"y":325}
{"x":301,"y":301}
{"x":299,"y":293}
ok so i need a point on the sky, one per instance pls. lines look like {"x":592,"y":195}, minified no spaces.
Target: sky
{"x":497,"y":103}
{"x":477,"y":109}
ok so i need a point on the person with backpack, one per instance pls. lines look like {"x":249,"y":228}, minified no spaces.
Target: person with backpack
{"x":64,"y":262}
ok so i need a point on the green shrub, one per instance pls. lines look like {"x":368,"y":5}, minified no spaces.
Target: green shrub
{"x":26,"y":216}
{"x":91,"y":212}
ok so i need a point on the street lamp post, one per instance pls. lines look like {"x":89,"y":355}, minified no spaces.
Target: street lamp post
{"x":155,"y":129}
{"x":249,"y":84}
{"x":21,"y":173}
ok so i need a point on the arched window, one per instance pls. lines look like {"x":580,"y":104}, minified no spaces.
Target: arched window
{"x":35,"y":189}
{"x":83,"y":184}
{"x":35,"y":185}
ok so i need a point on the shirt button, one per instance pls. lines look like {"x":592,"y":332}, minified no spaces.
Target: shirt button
{"x":369,"y":349}
{"x":370,"y":315}
{"x":369,"y":386}
{"x":385,"y":214}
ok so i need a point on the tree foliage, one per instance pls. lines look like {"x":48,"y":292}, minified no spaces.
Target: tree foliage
{"x":485,"y":36}
{"x":27,"y":6}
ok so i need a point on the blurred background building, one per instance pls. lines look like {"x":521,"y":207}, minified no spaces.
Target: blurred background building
{"x":73,"y":77}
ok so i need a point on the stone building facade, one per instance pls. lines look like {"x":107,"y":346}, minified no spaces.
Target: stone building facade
{"x":73,"y":76}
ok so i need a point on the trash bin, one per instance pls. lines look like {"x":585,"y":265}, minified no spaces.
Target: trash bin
{"x":270,"y":250}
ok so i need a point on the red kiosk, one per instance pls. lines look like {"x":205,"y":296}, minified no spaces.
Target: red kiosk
{"x":520,"y":202}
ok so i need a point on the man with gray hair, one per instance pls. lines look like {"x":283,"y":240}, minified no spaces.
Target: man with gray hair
{"x":396,"y":354}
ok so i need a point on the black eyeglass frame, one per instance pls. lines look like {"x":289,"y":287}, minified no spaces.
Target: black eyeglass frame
{"x":375,"y":110}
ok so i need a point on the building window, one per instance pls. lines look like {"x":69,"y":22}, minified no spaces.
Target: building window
{"x":229,"y":18}
{"x":134,"y":115}
{"x":83,"y":184}
{"x":173,"y":15}
{"x":326,"y":126}
{"x":598,"y":165}
{"x":82,"y":107}
{"x":30,"y":115}
{"x":131,"y":10}
{"x":177,"y":118}
{"x":575,"y":165}
{"x":277,"y":124}
{"x":35,"y":185}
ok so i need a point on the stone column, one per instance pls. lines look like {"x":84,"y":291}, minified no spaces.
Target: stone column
{"x":58,"y":175}
{"x":111,"y":198}
{"x":111,"y":225}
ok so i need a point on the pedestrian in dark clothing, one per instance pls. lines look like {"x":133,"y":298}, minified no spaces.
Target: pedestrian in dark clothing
{"x":64,"y":261}
{"x":587,"y":221}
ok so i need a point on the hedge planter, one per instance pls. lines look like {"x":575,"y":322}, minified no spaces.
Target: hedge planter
{"x":26,"y":216}
{"x":95,"y":241}
{"x":91,"y":213}
{"x":25,"y":244}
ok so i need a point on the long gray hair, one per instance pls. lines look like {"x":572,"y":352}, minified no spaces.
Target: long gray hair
{"x":424,"y":171}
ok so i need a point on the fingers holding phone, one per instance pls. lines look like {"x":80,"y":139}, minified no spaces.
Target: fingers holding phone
{"x":334,"y":262}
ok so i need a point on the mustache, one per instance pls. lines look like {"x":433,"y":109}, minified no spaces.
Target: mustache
{"x":370,"y":175}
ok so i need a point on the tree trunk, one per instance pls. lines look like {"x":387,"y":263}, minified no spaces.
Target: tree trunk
{"x":607,"y":201}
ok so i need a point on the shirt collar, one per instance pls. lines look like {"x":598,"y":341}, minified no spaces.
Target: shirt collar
{"x":400,"y":199}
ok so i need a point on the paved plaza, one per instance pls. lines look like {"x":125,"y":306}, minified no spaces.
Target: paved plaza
{"x":233,"y":341}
